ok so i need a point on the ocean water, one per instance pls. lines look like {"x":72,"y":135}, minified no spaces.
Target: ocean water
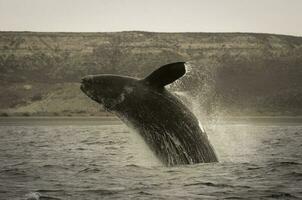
{"x":95,"y":158}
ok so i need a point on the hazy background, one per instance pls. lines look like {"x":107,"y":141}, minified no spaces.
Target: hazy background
{"x":264,"y":16}
{"x":248,"y":73}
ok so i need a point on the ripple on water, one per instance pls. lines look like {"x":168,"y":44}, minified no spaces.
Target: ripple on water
{"x":105,"y":162}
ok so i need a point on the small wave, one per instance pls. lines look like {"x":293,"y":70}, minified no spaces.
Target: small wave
{"x":119,"y":132}
{"x":50,"y":198}
{"x":290,"y":163}
{"x":254,"y":168}
{"x":145,"y":193}
{"x":104,"y":191}
{"x":140,"y":166}
{"x":42,"y":145}
{"x":14,"y":171}
{"x":89,"y":142}
{"x":111,"y":148}
{"x":282,"y":195}
{"x":172,"y":171}
{"x":296,"y":174}
{"x":19,"y":164}
{"x":134,"y":165}
{"x":49,"y":191}
{"x":284,"y":164}
{"x":216,"y":185}
{"x":54,"y":166}
{"x":93,"y":170}
{"x":80,"y":149}
{"x":234,"y":197}
{"x":93,"y":143}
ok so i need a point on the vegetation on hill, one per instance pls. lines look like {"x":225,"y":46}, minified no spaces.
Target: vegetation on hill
{"x":230,"y":73}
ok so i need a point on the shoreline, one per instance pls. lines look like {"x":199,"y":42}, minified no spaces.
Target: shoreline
{"x":112,"y":120}
{"x":114,"y":117}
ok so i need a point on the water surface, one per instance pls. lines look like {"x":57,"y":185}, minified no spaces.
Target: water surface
{"x":100,"y":158}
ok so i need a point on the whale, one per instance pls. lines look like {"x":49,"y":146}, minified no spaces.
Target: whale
{"x":168,"y":127}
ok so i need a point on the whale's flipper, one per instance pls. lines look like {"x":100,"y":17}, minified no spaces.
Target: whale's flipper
{"x":166,"y":74}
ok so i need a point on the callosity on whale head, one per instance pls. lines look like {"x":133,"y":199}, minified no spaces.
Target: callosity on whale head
{"x":108,"y":90}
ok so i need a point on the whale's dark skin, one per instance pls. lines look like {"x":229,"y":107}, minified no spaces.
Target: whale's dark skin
{"x":169,"y":128}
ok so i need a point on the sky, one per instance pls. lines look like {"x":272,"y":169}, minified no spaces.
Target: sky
{"x":261,"y":16}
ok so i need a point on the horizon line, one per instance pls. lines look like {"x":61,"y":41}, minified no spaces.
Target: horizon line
{"x":143,"y":31}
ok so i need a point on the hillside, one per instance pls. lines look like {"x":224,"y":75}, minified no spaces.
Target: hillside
{"x":230,"y":73}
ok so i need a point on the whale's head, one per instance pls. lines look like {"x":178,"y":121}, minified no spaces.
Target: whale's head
{"x":107,"y":90}
{"x":111,"y":90}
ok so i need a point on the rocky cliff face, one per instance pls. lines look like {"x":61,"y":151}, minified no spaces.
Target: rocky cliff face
{"x":234,"y":73}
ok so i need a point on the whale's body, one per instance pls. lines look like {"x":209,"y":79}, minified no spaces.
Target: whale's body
{"x":168,"y":127}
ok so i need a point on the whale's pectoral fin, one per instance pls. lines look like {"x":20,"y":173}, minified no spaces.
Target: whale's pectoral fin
{"x":166,"y":74}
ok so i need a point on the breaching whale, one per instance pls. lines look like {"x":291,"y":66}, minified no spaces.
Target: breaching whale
{"x":168,"y":127}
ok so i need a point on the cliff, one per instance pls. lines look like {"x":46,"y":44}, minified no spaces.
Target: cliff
{"x":230,"y":73}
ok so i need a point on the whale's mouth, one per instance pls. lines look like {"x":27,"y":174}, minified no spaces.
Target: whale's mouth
{"x":84,"y":87}
{"x":87,"y":87}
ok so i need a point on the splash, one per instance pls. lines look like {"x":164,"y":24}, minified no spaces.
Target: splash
{"x":204,"y":101}
{"x":143,"y":156}
{"x":200,"y":98}
{"x":32,"y":196}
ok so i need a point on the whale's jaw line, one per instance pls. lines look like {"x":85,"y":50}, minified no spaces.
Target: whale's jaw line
{"x":85,"y":90}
